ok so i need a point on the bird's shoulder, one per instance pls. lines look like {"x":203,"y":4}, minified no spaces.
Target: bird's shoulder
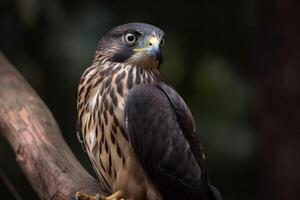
{"x":161,"y":95}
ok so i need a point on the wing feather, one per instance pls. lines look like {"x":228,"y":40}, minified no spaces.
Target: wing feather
{"x":161,"y":131}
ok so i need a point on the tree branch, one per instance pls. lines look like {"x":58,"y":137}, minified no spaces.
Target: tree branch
{"x":27,"y":124}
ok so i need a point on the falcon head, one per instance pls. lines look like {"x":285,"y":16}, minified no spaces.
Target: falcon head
{"x":137,"y":44}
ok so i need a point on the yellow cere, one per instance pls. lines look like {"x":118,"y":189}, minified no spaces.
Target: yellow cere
{"x":152,"y":41}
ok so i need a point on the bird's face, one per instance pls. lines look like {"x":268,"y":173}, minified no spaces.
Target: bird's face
{"x":137,"y":44}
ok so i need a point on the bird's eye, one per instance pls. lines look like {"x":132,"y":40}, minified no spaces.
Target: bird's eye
{"x":162,"y":42}
{"x":130,"y":38}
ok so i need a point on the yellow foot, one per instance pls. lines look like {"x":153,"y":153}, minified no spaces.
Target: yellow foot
{"x":116,"y":196}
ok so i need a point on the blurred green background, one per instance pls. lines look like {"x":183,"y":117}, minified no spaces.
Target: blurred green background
{"x":206,"y":57}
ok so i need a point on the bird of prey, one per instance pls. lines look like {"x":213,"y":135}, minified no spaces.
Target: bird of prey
{"x":137,"y":131}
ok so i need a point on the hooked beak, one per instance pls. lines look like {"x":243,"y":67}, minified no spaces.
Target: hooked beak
{"x":152,"y":48}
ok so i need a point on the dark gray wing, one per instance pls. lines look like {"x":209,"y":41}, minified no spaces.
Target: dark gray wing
{"x":162,"y":134}
{"x":186,"y":123}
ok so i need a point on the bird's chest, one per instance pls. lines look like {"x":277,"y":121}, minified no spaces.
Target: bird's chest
{"x":103,"y":125}
{"x":106,"y":137}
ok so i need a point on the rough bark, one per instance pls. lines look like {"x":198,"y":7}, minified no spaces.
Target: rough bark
{"x":27,"y":124}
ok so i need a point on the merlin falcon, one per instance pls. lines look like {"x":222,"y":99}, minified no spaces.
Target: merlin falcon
{"x":135,"y":128}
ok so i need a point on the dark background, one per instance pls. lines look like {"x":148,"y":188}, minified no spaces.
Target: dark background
{"x":236,"y":63}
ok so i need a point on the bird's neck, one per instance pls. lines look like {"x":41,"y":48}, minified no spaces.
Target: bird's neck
{"x":104,"y":76}
{"x":137,"y":72}
{"x":147,"y":63}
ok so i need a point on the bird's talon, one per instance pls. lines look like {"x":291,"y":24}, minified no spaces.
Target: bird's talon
{"x":82,"y":196}
{"x":116,"y":196}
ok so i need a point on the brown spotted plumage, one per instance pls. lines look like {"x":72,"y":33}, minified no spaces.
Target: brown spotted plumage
{"x":101,"y":99}
{"x":126,"y":63}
